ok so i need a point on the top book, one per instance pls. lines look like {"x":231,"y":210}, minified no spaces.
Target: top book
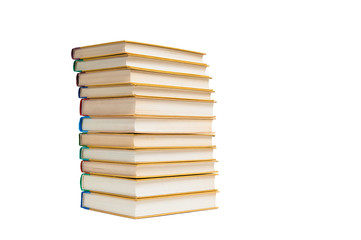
{"x":121,"y":47}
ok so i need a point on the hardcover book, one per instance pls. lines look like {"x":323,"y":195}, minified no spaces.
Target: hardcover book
{"x":144,"y":76}
{"x":141,"y":89}
{"x":148,"y":207}
{"x":150,"y":155}
{"x":121,"y":47}
{"x":145,"y":125}
{"x":147,"y":187}
{"x":139,"y":61}
{"x":147,"y":170}
{"x":140,"y":105}
{"x":136,"y":141}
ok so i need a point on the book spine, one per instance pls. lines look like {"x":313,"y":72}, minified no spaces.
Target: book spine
{"x":72,"y":53}
{"x":81,"y":124}
{"x":77,"y":79}
{"x":79,"y":90}
{"x":81,"y":181}
{"x":80,"y":139}
{"x":81,"y":167}
{"x":74,"y":65}
{"x":81,"y":154}
{"x":81,"y":106}
{"x":81,"y":199}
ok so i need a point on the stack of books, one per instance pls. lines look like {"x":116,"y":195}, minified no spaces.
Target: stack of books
{"x":146,"y":130}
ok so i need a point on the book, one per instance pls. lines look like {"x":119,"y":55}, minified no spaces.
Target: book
{"x":140,"y":75}
{"x":147,"y":187}
{"x":121,"y":47}
{"x":140,"y":105}
{"x":141,"y":89}
{"x":146,"y":155}
{"x":145,"y":125}
{"x":148,"y":207}
{"x":136,"y":141}
{"x":139,"y":61}
{"x":147,"y":170}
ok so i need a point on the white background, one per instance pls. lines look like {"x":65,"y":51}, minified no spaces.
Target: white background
{"x":287,"y":81}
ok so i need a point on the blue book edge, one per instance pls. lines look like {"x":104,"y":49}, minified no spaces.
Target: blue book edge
{"x":81,"y":124}
{"x":81,"y":200}
{"x":80,"y":90}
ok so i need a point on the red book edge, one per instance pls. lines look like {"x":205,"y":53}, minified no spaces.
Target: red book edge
{"x":81,"y":106}
{"x":72,"y":53}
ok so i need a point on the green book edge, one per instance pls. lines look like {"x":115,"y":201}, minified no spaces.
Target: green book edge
{"x":79,"y":139}
{"x":74,"y":65}
{"x":81,"y":181}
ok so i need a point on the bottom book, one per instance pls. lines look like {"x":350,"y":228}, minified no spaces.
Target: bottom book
{"x":149,"y":206}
